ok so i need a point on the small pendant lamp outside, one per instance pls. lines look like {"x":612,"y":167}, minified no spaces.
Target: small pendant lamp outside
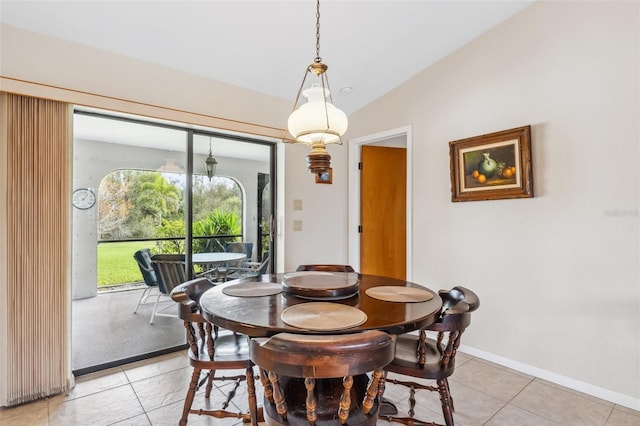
{"x":210,"y":164}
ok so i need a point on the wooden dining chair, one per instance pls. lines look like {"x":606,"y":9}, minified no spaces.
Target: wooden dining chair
{"x":312,"y":379}
{"x":433,"y":359}
{"x":211,"y":350}
{"x":326,"y":268}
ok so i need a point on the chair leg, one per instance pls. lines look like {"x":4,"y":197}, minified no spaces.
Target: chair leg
{"x":388,"y":411}
{"x":221,"y":274}
{"x":251,"y":395}
{"x":155,"y":308}
{"x":145,"y":294}
{"x":445,"y":399}
{"x":207,"y":392}
{"x":453,"y":407}
{"x":190,"y":395}
{"x":412,"y":401}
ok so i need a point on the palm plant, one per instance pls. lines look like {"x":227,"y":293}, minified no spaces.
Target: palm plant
{"x":216,"y":223}
{"x":159,"y":197}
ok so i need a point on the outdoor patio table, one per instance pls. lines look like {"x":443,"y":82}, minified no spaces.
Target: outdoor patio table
{"x":216,"y":258}
{"x":212,"y":260}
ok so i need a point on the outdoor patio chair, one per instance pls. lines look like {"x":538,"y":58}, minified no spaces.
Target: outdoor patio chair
{"x":243,"y":247}
{"x":250,"y":269}
{"x":221,"y":270}
{"x":170,"y":271}
{"x":143,"y":258}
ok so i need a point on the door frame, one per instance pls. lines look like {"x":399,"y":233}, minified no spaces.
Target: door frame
{"x":355,"y":154}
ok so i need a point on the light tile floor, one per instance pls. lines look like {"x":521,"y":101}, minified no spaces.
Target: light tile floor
{"x":152,"y":392}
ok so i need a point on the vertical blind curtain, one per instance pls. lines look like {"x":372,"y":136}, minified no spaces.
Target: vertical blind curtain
{"x":35,"y":159}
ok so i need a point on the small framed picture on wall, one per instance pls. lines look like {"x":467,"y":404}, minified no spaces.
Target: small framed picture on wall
{"x":325,"y":177}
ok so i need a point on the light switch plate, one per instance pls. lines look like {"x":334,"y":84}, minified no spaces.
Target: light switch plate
{"x":297,"y":225}
{"x":297,"y":204}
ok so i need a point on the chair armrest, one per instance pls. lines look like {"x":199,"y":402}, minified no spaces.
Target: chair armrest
{"x":179,"y":295}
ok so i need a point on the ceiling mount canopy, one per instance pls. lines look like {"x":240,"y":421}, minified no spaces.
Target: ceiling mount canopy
{"x":318,"y":122}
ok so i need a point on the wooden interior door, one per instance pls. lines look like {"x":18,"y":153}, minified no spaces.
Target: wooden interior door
{"x":383,"y":204}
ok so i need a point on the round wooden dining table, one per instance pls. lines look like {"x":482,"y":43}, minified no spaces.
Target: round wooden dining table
{"x":259,"y":315}
{"x":260,"y":307}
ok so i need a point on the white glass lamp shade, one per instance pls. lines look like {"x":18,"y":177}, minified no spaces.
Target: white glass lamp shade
{"x":311,"y":122}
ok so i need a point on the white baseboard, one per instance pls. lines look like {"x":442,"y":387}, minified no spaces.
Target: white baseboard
{"x":568,"y":382}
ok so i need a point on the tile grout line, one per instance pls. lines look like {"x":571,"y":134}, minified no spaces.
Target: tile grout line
{"x":528,"y":411}
{"x":537,"y":380}
{"x":610,"y":414}
{"x":137,"y":397}
{"x":508,"y":402}
{"x":139,"y":402}
{"x":573,"y":392}
{"x":496,"y":413}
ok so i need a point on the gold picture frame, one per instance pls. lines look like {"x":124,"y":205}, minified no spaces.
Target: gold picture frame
{"x":325,"y":177}
{"x":494,"y":166}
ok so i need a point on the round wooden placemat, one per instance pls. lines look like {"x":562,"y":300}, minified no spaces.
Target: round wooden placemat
{"x":323,"y":316}
{"x":390,"y":293}
{"x":252,"y":289}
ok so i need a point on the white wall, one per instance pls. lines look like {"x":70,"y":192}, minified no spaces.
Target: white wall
{"x":130,"y":85}
{"x":323,"y":238}
{"x":557,"y":274}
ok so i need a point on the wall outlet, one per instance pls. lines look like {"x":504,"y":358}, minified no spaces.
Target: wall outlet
{"x":297,"y":204}
{"x":297,"y":225}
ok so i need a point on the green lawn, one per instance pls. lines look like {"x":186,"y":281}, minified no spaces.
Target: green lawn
{"x":116,"y":264}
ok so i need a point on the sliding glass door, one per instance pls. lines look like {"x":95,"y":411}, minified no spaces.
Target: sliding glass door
{"x":228,"y":195}
{"x":153,"y":191}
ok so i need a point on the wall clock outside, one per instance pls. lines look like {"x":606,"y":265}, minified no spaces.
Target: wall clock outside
{"x":83,"y":198}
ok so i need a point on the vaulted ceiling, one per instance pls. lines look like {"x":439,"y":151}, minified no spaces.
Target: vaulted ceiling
{"x":265,"y":45}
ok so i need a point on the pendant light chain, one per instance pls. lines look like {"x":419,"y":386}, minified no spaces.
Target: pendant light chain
{"x":318,"y":122}
{"x":318,"y":59}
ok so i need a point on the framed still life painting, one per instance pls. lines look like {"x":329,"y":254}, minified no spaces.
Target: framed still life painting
{"x":493,"y":166}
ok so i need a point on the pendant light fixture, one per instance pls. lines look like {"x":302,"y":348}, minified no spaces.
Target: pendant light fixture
{"x":318,"y":122}
{"x":210,"y":163}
